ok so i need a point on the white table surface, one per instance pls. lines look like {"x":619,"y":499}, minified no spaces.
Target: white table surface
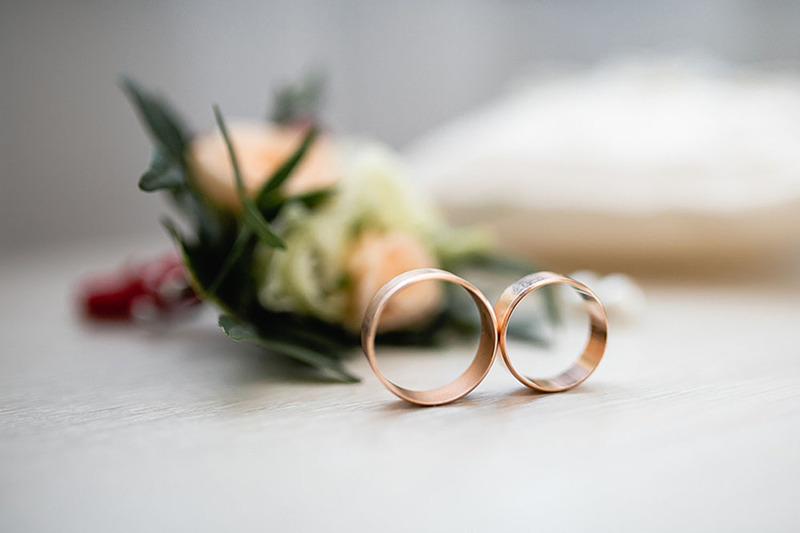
{"x":691,"y":423}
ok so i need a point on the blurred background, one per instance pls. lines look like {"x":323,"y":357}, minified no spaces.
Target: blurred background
{"x":406,"y":73}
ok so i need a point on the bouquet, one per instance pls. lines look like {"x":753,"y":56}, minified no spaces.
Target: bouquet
{"x":289,"y":231}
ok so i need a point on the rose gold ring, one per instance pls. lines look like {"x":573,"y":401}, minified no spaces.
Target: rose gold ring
{"x":484,"y":357}
{"x":595,"y":346}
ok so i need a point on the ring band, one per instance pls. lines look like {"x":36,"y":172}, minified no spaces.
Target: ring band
{"x":484,"y":357}
{"x":595,"y":346}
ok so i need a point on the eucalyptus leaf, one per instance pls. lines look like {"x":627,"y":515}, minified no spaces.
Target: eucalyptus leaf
{"x":162,"y":123}
{"x":168,"y":170}
{"x":241,"y":332}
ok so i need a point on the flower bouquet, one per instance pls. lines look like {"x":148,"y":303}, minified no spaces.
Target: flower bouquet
{"x":290,"y":231}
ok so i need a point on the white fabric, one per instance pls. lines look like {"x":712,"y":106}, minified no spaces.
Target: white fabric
{"x":641,"y":136}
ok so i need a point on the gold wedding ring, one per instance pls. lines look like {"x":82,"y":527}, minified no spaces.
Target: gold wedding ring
{"x":595,"y":346}
{"x":494,"y":323}
{"x":484,"y":357}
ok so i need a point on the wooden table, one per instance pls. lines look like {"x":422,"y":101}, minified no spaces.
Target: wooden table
{"x":691,"y":423}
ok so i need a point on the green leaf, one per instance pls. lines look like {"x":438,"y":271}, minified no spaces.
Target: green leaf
{"x":189,"y":259}
{"x":314,"y":198}
{"x":260,"y":226}
{"x":195,"y":263}
{"x":237,"y":173}
{"x":309,"y":200}
{"x":326,"y":338}
{"x":168,"y":167}
{"x":162,"y":123}
{"x":241,"y":332}
{"x":264,"y":198}
{"x":162,"y":174}
{"x":237,"y":251}
{"x":174,"y":232}
{"x":252,"y":216}
{"x":213,"y":229}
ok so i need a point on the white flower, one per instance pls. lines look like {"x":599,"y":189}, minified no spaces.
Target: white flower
{"x":260,"y":149}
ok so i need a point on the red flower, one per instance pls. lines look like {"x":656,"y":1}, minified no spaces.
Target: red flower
{"x":139,"y":292}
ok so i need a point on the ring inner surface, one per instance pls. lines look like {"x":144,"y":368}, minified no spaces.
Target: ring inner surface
{"x":472,"y":376}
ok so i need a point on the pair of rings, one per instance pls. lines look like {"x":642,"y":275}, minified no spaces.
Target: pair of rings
{"x":494,"y":322}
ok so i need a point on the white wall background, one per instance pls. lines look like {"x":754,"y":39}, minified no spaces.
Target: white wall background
{"x":71,"y":150}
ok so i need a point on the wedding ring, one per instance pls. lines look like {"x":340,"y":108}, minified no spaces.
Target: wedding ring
{"x":595,"y":346}
{"x":484,"y":357}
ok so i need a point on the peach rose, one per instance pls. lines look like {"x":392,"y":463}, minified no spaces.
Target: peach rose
{"x":375,"y":259}
{"x":260,"y":149}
